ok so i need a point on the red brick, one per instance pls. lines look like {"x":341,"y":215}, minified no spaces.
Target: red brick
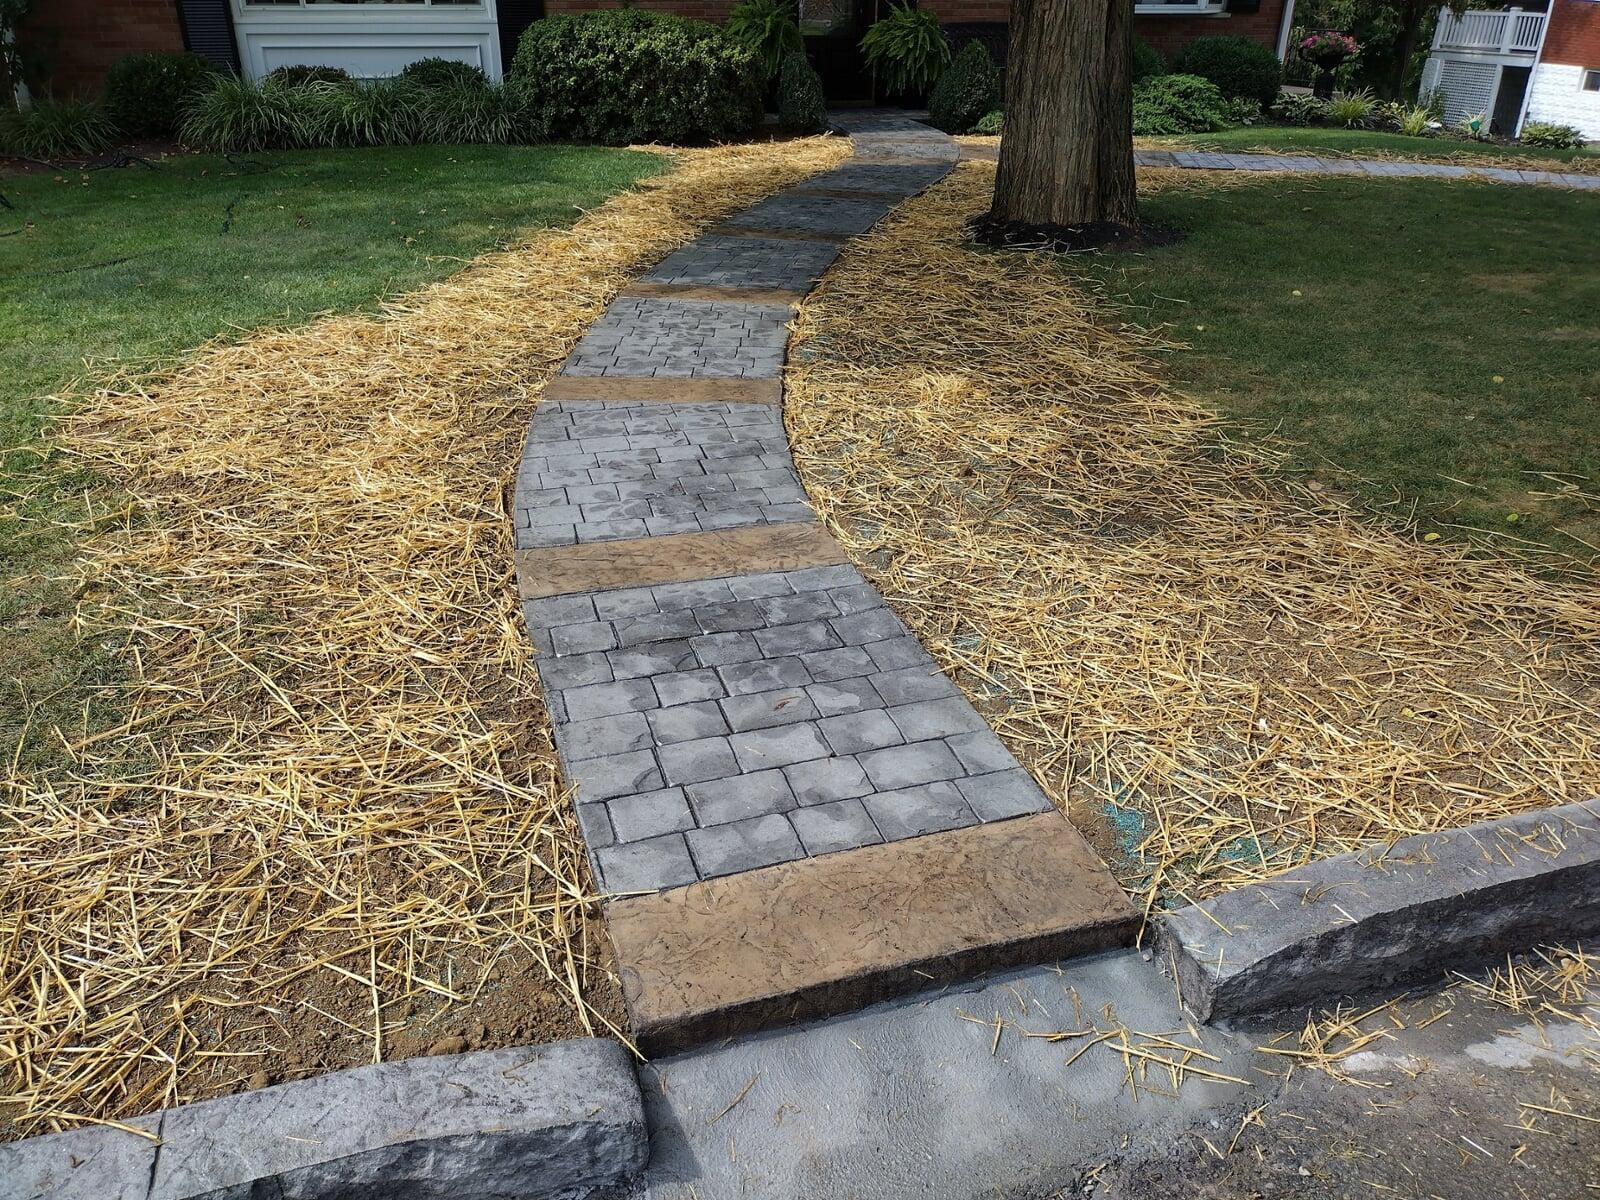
{"x":80,"y":39}
{"x":1574,"y":34}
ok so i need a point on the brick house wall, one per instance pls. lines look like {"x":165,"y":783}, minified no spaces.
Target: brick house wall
{"x":1574,"y":34}
{"x":78,"y":40}
{"x":1168,"y":35}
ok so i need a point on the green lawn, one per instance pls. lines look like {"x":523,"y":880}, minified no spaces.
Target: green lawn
{"x":136,"y":265}
{"x":1293,"y":140}
{"x":1424,"y":342}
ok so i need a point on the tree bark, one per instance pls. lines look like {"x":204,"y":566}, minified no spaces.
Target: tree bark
{"x":1067,"y":154}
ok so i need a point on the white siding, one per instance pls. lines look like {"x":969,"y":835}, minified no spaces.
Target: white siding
{"x":368,"y":40}
{"x":1556,"y":96}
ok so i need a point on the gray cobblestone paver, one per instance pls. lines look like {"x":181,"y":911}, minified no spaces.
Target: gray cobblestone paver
{"x":746,"y":262}
{"x":597,"y":470}
{"x":727,"y":724}
{"x":683,"y":339}
{"x":814,"y":214}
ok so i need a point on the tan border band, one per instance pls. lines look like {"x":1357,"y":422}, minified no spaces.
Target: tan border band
{"x":674,"y":558}
{"x":825,"y":935}
{"x":666,"y":391}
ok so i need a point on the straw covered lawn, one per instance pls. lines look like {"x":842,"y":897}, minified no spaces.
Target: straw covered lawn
{"x":1217,"y":672}
{"x":328,"y":827}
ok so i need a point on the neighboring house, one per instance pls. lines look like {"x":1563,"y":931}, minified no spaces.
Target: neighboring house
{"x":1538,"y":63}
{"x":79,"y":39}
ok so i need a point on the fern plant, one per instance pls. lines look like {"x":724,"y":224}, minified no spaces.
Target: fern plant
{"x":907,"y":49}
{"x":767,"y":28}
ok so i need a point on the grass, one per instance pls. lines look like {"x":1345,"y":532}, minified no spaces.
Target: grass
{"x":1423,"y":343}
{"x":1316,"y":140}
{"x":130,"y":267}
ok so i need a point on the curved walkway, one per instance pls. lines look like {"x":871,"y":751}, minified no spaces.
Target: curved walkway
{"x":1307,"y":164}
{"x":751,"y":733}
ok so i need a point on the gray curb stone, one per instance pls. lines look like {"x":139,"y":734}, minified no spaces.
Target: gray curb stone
{"x":562,"y":1120}
{"x":1389,"y":916}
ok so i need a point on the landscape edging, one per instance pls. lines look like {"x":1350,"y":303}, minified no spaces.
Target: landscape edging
{"x":1390,"y":915}
{"x":561,"y":1120}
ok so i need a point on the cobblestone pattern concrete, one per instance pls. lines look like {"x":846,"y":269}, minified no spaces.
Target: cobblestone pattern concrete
{"x":729,"y":724}
{"x":745,"y":262}
{"x":684,"y":339}
{"x":733,"y":723}
{"x":1313,"y":165}
{"x":814,"y":214}
{"x":600,"y":470}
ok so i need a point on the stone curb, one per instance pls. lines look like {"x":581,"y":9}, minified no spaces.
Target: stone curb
{"x":1388,"y":916}
{"x":563,"y":1120}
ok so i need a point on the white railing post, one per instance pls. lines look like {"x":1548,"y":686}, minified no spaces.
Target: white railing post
{"x":1508,"y":31}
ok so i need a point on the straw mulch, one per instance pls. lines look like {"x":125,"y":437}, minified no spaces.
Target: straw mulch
{"x":1217,"y":673}
{"x":328,"y":829}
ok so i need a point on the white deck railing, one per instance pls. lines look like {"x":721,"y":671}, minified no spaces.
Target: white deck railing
{"x":1506,"y":31}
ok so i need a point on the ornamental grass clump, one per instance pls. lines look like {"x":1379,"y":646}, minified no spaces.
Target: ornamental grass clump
{"x":243,"y":115}
{"x":54,"y":129}
{"x":1353,"y":110}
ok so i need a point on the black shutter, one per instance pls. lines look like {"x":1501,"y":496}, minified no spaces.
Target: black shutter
{"x":1244,"y":6}
{"x":514,"y":16}
{"x":208,"y":31}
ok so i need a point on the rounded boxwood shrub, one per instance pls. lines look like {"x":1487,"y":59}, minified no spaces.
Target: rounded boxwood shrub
{"x":801,"y":108}
{"x":146,"y":94}
{"x":1146,"y":62}
{"x":443,"y":73}
{"x":1239,"y":67}
{"x":302,"y":74}
{"x":1177,"y":104}
{"x":626,"y":75}
{"x":968,"y":88}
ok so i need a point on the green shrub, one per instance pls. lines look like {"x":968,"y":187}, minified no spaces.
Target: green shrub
{"x":443,"y":73}
{"x":1554,"y":137}
{"x":1300,"y":108}
{"x":1177,"y":104}
{"x":1353,"y":110}
{"x":1146,"y":62}
{"x":625,"y":75}
{"x":969,"y":87}
{"x":1238,"y":66}
{"x":299,"y":76}
{"x":767,"y":28}
{"x":991,"y":123}
{"x":53,"y":129}
{"x":146,"y":94}
{"x":240,"y":114}
{"x":907,"y":48}
{"x":801,"y":108}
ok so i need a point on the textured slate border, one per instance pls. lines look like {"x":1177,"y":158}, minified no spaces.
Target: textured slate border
{"x":1390,"y":915}
{"x":559,"y":1120}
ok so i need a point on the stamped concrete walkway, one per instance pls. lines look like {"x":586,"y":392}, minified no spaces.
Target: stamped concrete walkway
{"x":1307,"y":164}
{"x":814,"y":812}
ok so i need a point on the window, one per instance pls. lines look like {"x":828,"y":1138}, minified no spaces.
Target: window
{"x":1591,"y":80}
{"x":1177,"y":7}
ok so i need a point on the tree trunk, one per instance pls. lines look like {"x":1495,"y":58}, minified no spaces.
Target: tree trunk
{"x":1410,"y":20}
{"x":1067,"y":154}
